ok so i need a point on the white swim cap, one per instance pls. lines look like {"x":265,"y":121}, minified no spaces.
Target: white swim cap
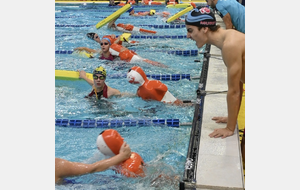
{"x":109,"y":142}
{"x":136,"y":76}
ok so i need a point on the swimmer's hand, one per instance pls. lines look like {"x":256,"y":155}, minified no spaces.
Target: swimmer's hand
{"x":82,"y":74}
{"x":222,"y":132}
{"x":79,"y":49}
{"x":220,"y":119}
{"x":155,"y":63}
{"x":125,"y":151}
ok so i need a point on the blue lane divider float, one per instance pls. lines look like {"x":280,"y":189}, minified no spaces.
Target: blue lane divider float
{"x":102,"y":123}
{"x":167,"y":77}
{"x":140,"y":36}
{"x":158,"y":37}
{"x":175,"y":52}
{"x":142,"y":25}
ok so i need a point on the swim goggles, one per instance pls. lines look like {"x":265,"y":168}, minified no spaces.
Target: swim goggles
{"x":98,"y":77}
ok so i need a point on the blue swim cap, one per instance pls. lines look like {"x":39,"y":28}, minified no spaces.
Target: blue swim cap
{"x":200,"y":16}
{"x":107,"y":40}
{"x":129,"y":10}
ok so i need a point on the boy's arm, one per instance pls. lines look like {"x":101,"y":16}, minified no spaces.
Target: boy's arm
{"x":86,"y":49}
{"x":82,"y":75}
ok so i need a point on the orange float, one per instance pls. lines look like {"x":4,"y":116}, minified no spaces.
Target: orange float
{"x":109,"y":143}
{"x":149,"y":89}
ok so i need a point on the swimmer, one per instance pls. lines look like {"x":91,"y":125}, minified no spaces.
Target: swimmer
{"x":127,"y":28}
{"x":104,"y":53}
{"x":147,"y":13}
{"x":65,"y":168}
{"x":106,"y":40}
{"x":130,"y":56}
{"x":100,"y":89}
{"x":201,"y":27}
{"x":151,"y":89}
{"x":109,"y":142}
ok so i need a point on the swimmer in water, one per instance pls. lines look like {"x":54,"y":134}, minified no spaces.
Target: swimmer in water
{"x":104,"y":43}
{"x":152,"y":12}
{"x":65,"y":168}
{"x":100,"y":89}
{"x":128,"y":28}
{"x":109,"y":142}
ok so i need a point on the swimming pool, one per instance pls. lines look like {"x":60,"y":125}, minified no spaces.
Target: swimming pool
{"x":163,"y":148}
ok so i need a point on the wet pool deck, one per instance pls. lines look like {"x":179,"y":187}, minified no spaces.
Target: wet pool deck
{"x":219,"y":160}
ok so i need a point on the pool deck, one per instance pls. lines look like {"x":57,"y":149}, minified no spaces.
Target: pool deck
{"x":219,"y":163}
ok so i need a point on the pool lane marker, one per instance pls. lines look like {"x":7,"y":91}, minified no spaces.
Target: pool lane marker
{"x":74,"y":75}
{"x":173,"y":52}
{"x":106,"y":123}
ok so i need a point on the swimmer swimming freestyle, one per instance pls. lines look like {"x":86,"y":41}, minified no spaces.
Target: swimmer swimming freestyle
{"x":109,"y":143}
{"x":151,"y":12}
{"x":65,"y":168}
{"x":127,"y":28}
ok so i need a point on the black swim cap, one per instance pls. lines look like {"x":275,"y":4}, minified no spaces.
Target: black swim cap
{"x":91,"y":35}
{"x":201,"y":16}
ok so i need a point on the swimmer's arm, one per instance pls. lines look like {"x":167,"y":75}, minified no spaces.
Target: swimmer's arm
{"x":137,"y":15}
{"x":127,"y":94}
{"x":82,"y":75}
{"x":117,"y":40}
{"x":65,"y":168}
{"x":110,"y":24}
{"x":231,"y":57}
{"x":227,"y":21}
{"x":85,"y":49}
{"x":113,"y":92}
{"x":234,"y":73}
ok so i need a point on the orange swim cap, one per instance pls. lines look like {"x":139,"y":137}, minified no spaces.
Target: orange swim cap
{"x":136,"y":75}
{"x":109,"y":142}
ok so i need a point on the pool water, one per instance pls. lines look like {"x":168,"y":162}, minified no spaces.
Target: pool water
{"x":163,"y":148}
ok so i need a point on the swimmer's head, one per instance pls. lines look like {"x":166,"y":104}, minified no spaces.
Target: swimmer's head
{"x":107,"y":40}
{"x":152,"y":12}
{"x":100,"y":70}
{"x":131,"y":11}
{"x":136,"y":75}
{"x":109,"y":142}
{"x":201,"y":17}
{"x":93,"y":36}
